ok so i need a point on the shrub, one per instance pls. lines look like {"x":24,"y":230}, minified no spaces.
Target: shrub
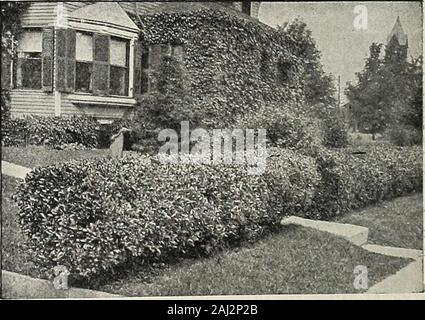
{"x":335,"y":131}
{"x":285,"y":127}
{"x":292,"y":180}
{"x":405,"y":135}
{"x":349,"y":181}
{"x":52,"y":131}
{"x":94,"y":216}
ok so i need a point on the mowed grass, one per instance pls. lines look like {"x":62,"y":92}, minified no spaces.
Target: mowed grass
{"x":294,"y":261}
{"x":14,"y":255}
{"x":396,"y":223}
{"x":32,"y":156}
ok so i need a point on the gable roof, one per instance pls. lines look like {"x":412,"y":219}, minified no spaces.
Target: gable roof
{"x":106,"y":12}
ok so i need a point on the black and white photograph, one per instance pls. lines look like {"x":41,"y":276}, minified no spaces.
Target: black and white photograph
{"x":211,"y":149}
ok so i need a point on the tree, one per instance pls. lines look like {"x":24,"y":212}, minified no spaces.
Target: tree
{"x":367,"y":97}
{"x":10,"y":27}
{"x":319,"y":87}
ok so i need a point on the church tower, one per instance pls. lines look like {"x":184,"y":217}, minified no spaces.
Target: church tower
{"x":397,"y":44}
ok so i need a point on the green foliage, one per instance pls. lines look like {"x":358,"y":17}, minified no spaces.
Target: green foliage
{"x":292,"y":179}
{"x":51,"y":131}
{"x":166,"y":106}
{"x":100,"y":215}
{"x":10,"y":23}
{"x":388,"y":91}
{"x":351,"y":181}
{"x":94,"y":216}
{"x":335,"y":133}
{"x":405,"y":135}
{"x":5,"y":105}
{"x":318,"y":86}
{"x":230,"y":64}
{"x":286,"y":127}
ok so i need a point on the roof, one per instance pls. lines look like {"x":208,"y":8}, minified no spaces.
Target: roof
{"x":104,"y":12}
{"x":187,"y":6}
{"x":398,"y":32}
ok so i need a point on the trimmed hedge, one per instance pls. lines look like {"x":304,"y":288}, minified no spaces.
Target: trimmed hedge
{"x":351,"y":181}
{"x":98,"y":216}
{"x":92,"y":216}
{"x":51,"y":131}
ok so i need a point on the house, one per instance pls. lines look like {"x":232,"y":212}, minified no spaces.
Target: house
{"x":93,"y":57}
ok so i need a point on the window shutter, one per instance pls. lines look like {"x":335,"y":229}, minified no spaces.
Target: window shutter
{"x":137,"y":85}
{"x":101,"y":64}
{"x":6,"y":74}
{"x":65,"y":59}
{"x":47,"y":60}
{"x":70,"y":59}
{"x":60,"y":35}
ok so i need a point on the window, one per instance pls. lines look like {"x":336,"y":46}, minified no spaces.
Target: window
{"x":84,"y":62}
{"x":151,"y":59}
{"x":28,"y":64}
{"x":284,"y":69}
{"x":116,"y":60}
{"x":118,"y":67}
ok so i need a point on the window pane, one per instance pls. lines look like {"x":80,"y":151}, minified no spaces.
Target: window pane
{"x":118,"y":81}
{"x":30,"y":41}
{"x":145,"y":59}
{"x":28,"y":73}
{"x":83,"y":80}
{"x":118,"y":53}
{"x":84,"y":47}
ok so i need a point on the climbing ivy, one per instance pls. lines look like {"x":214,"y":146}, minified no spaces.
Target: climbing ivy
{"x":232,"y":63}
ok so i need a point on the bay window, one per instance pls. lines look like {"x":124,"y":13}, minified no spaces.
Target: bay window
{"x":101,"y":64}
{"x":28,"y":66}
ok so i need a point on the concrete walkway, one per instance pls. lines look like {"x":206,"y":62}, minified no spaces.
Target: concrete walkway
{"x":19,"y":286}
{"x":410,"y":279}
{"x":14,"y":170}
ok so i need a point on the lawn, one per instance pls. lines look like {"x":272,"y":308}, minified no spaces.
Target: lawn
{"x":294,"y":261}
{"x":396,"y":223}
{"x":32,"y":156}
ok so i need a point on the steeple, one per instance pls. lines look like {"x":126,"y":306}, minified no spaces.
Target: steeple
{"x":398,"y":33}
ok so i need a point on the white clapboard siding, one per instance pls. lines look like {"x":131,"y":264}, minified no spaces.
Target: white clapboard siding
{"x":39,"y":14}
{"x":25,"y":102}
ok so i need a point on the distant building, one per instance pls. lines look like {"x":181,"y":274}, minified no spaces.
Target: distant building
{"x":397,"y":43}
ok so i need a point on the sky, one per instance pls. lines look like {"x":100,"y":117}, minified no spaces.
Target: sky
{"x":343,"y":46}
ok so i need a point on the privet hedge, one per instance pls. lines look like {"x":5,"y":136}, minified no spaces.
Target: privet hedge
{"x":233,"y":66}
{"x":100,"y":215}
{"x":51,"y":131}
{"x":94,"y":216}
{"x":60,"y":132}
{"x":350,"y":179}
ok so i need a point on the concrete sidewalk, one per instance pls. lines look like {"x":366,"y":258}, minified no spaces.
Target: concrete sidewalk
{"x":14,"y":170}
{"x":18,"y":286}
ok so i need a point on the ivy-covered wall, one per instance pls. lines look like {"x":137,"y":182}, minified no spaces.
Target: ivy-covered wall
{"x":233,"y":65}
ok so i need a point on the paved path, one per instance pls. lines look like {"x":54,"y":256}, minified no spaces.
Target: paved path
{"x":14,"y":170}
